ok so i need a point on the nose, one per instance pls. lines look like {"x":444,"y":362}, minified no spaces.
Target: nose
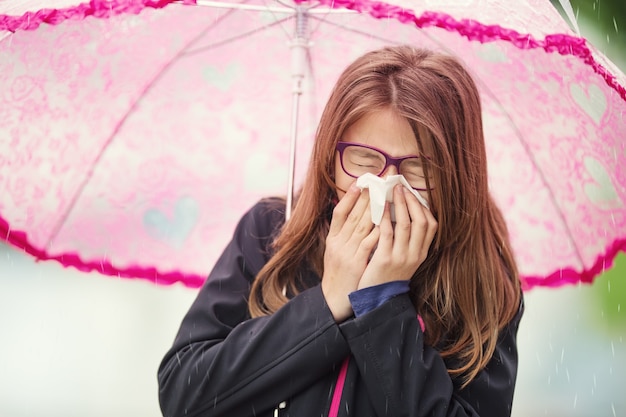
{"x":391,"y":170}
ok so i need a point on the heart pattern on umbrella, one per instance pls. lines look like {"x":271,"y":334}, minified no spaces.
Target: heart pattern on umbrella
{"x":592,"y":100}
{"x":601,"y":191}
{"x":176,"y":228}
{"x":222,"y":78}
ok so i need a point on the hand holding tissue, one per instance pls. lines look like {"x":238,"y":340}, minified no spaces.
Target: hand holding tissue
{"x":381,"y":190}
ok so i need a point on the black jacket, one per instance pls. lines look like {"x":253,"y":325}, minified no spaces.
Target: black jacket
{"x":223,"y":363}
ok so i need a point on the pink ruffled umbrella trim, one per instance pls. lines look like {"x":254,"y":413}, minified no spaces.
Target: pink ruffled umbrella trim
{"x":571,"y":276}
{"x":97,"y":8}
{"x":471,"y":29}
{"x":20,"y":240}
{"x":476,"y":31}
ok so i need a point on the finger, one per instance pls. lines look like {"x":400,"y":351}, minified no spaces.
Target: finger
{"x":402,"y":229}
{"x":359,"y":220}
{"x":343,"y":208}
{"x":427,"y":227}
{"x":419,"y":223}
{"x":368,"y":244}
{"x":386,"y":240}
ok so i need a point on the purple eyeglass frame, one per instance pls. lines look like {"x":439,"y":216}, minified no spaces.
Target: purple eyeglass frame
{"x":389,"y":160}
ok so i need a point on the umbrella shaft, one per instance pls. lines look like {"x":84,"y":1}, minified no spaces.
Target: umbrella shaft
{"x":292,"y":151}
{"x":299,"y":51}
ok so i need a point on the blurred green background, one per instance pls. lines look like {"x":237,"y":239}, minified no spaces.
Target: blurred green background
{"x":603,"y":22}
{"x":609,"y":295}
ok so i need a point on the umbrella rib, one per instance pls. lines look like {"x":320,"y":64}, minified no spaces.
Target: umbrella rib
{"x":293,"y":12}
{"x":539,"y":171}
{"x":353,"y":30}
{"x":234,"y":38}
{"x":240,"y":6}
{"x":313,"y":9}
{"x":121,"y":123}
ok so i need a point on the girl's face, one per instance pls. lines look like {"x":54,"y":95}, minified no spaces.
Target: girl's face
{"x":382,"y":129}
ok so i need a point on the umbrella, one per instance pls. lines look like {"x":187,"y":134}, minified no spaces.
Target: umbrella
{"x":134,"y":133}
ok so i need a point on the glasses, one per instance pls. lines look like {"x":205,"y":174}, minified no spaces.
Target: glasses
{"x":358,"y":159}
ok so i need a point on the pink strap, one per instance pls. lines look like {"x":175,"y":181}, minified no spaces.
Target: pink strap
{"x":341,"y":379}
{"x":422,"y":325}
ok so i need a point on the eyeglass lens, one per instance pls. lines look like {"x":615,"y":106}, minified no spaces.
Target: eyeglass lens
{"x":358,"y":160}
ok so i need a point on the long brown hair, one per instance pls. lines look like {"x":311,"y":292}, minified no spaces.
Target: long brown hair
{"x":468,"y":287}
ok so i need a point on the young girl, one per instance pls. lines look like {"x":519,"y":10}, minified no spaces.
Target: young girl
{"x":328,"y":314}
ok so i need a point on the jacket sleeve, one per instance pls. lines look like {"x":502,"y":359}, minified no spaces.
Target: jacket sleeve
{"x":224,"y":363}
{"x":407,"y":378}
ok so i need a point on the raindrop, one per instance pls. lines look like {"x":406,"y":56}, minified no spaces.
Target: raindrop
{"x":613,"y":405}
{"x":613,"y":348}
{"x":562,"y":354}
{"x":567,"y":374}
{"x":575,"y":400}
{"x":616,"y":31}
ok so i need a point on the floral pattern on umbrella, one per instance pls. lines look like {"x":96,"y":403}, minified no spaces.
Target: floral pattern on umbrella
{"x":134,"y":135}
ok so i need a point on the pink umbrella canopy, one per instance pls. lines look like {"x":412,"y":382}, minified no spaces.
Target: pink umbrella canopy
{"x":135,"y":133}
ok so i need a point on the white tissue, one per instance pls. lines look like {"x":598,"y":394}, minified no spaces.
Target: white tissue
{"x":381,"y":190}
